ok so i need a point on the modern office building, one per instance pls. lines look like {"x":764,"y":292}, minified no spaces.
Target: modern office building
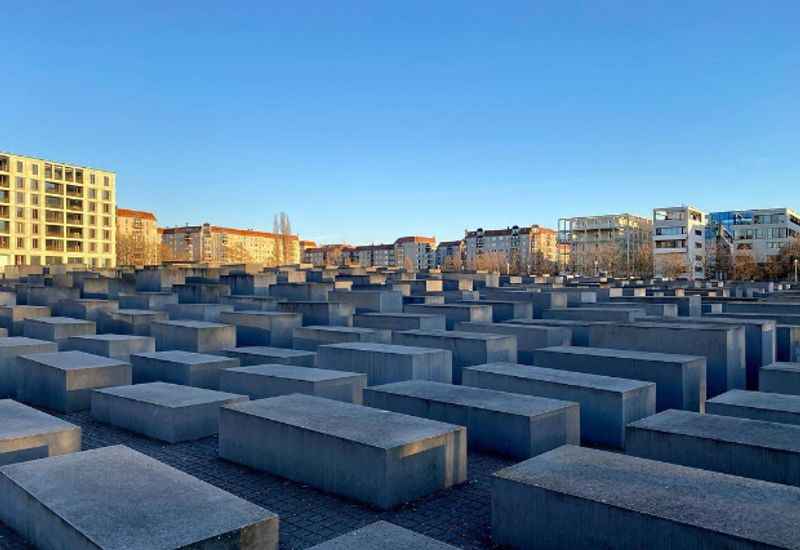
{"x":582,"y":238}
{"x":138,"y":238}
{"x":215,"y":245}
{"x":55,"y":213}
{"x":521,"y":248}
{"x":679,"y":249}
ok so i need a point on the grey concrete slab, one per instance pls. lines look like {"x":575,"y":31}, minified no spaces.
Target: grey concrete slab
{"x":573,"y":497}
{"x":249,"y":284}
{"x":468,"y":348}
{"x":688,"y":306}
{"x":722,"y":345}
{"x":135,"y":321}
{"x":263,"y":328}
{"x":503,"y":310}
{"x":27,"y":433}
{"x":386,"y":363}
{"x":57,"y":329}
{"x":369,"y":301}
{"x":399,"y":321}
{"x":261,"y":355}
{"x":738,"y":446}
{"x":787,"y":344}
{"x":196,"y":336}
{"x":163,"y":411}
{"x":118,"y":499}
{"x":511,"y":424}
{"x":210,"y":313}
{"x":378,"y":457}
{"x":297,"y":292}
{"x":272,"y":380}
{"x":10,"y":349}
{"x":97,"y":311}
{"x":541,"y":301}
{"x":63,"y":381}
{"x":529,"y":337}
{"x":200,"y":370}
{"x":321,"y":313}
{"x":453,"y":313}
{"x":205,"y":292}
{"x":655,"y":310}
{"x":382,"y":535}
{"x":578,"y":329}
{"x":159,"y":279}
{"x":780,"y":378}
{"x":115,"y":346}
{"x":615,"y":314}
{"x":251,"y":303}
{"x":680,"y":379}
{"x":312,"y":337}
{"x":12,"y":318}
{"x":155,"y":301}
{"x":50,"y":296}
{"x":607,"y":404}
{"x":756,"y":405}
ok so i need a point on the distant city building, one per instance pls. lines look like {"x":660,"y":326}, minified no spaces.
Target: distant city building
{"x":138,"y":238}
{"x":331,"y":255}
{"x":760,"y":232}
{"x":415,"y":252}
{"x":679,"y":242}
{"x":523,"y":248}
{"x":305,"y":245}
{"x":55,"y":213}
{"x":375,"y":255}
{"x":217,"y":245}
{"x":450,"y":254}
{"x":581,"y":239}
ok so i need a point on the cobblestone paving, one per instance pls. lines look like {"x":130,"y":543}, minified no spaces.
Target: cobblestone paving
{"x":459,"y":516}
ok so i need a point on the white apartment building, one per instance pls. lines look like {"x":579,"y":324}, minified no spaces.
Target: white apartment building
{"x":419,"y":252}
{"x":679,"y":242}
{"x":516,"y":246}
{"x":375,"y":255}
{"x":582,"y":238}
{"x":760,"y":232}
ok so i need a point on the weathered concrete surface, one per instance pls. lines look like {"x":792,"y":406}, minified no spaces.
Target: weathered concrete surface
{"x":512,"y":424}
{"x":12,"y":318}
{"x":607,"y":404}
{"x":115,"y":346}
{"x":468,"y":348}
{"x":578,"y":329}
{"x":263,"y":328}
{"x":156,"y":301}
{"x":117,"y":498}
{"x":196,"y":336}
{"x":167,"y":412}
{"x":738,"y":446}
{"x":573,"y":497}
{"x":680,"y":379}
{"x":97,"y":311}
{"x":529,"y":337}
{"x":180,"y":367}
{"x":312,"y":337}
{"x":378,"y":457}
{"x":10,"y":349}
{"x":209,"y":313}
{"x":369,"y":301}
{"x":297,"y":292}
{"x":503,"y":310}
{"x":382,"y":535}
{"x":26,"y":432}
{"x":63,"y":381}
{"x":386,"y":363}
{"x":787,"y":344}
{"x":251,"y":303}
{"x":780,"y":378}
{"x":260,"y":355}
{"x":135,"y":321}
{"x":321,"y":313}
{"x":615,"y":314}
{"x":205,"y":292}
{"x":57,"y":329}
{"x":400,"y":321}
{"x":453,"y":313}
{"x":272,"y":380}
{"x":769,"y":407}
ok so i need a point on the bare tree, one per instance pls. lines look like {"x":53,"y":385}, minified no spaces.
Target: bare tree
{"x":672,"y":266}
{"x":745,"y":267}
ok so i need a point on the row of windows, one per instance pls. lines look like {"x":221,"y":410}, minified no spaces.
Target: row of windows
{"x":768,"y":233}
{"x":57,"y":188}
{"x":55,"y":217}
{"x":55,"y":230}
{"x":65,"y":173}
{"x":54,"y":245}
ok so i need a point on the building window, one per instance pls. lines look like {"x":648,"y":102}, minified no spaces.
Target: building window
{"x":21,"y":198}
{"x":34,"y":185}
{"x":35,"y":169}
{"x":20,"y":182}
{"x":106,"y":235}
{"x":20,"y":242}
{"x":105,"y":181}
{"x":92,"y":193}
{"x":106,"y":195}
{"x":20,"y":212}
{"x":107,"y":209}
{"x":34,"y":243}
{"x":20,"y":227}
{"x":92,"y":179}
{"x":20,"y":166}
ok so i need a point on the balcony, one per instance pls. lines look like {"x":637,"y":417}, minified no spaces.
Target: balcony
{"x":5,"y":212}
{"x":53,"y":216}
{"x":5,"y":181}
{"x":52,"y":245}
{"x":54,"y":202}
{"x":53,"y":188}
{"x":75,"y":219}
{"x":75,"y":205}
{"x":74,"y":233}
{"x":4,"y":164}
{"x":74,"y":246}
{"x":54,"y":231}
{"x":74,"y":191}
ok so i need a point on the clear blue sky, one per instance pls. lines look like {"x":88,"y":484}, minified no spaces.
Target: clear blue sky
{"x":370,"y":120}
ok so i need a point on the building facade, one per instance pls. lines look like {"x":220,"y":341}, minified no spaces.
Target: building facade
{"x":138,"y":238}
{"x":216,"y":245}
{"x":375,"y":255}
{"x":450,"y":255}
{"x":516,"y":248}
{"x":415,"y":252}
{"x":54,"y":213}
{"x":331,"y":255}
{"x":582,"y":239}
{"x":679,"y":242}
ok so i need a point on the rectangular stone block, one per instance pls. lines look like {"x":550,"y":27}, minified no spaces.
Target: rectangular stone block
{"x":618,"y":315}
{"x":607,"y":404}
{"x":135,"y":321}
{"x":12,"y":318}
{"x":386,"y":363}
{"x":63,"y":381}
{"x":529,"y":337}
{"x":369,"y":301}
{"x":503,"y":310}
{"x":399,"y":321}
{"x":210,"y":313}
{"x":10,"y":349}
{"x":321,"y":313}
{"x":301,"y":292}
{"x":156,"y":301}
{"x":180,"y":367}
{"x":312,"y":337}
{"x":50,"y":296}
{"x":115,"y":346}
{"x":206,"y":292}
{"x":167,"y":412}
{"x":578,"y":329}
{"x":511,"y":424}
{"x":114,"y":497}
{"x":574,"y":497}
{"x":453,"y":313}
{"x":261,"y":381}
{"x":57,"y":329}
{"x":780,"y":378}
{"x":263,"y":328}
{"x":97,"y":311}
{"x":756,"y":405}
{"x":26,"y":434}
{"x":468,"y":348}
{"x":738,"y":446}
{"x":680,"y":379}
{"x":376,"y":536}
{"x":159,"y":279}
{"x":251,"y":303}
{"x":196,"y":336}
{"x":787,"y":344}
{"x":262,"y":355}
{"x":381,"y":458}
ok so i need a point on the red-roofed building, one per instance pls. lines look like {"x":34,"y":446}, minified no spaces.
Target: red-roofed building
{"x":138,"y":239}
